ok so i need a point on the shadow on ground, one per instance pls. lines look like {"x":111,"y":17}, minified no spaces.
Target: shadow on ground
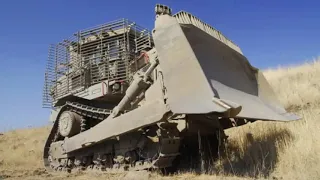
{"x":256,"y":156}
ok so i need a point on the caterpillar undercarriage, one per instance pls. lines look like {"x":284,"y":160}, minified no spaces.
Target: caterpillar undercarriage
{"x":129,"y":99}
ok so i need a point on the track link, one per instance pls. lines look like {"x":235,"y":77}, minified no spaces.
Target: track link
{"x":89,"y":111}
{"x":168,"y":143}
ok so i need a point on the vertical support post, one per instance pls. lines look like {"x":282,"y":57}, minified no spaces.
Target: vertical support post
{"x":135,"y":47}
{"x":103,"y":73}
{"x":56,"y":70}
{"x":127,"y":50}
{"x":67,"y":66}
{"x":79,"y":59}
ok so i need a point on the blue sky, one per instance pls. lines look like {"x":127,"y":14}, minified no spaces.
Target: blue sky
{"x":270,"y":33}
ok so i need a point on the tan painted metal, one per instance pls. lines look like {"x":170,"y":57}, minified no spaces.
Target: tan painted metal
{"x":192,"y":79}
{"x":150,"y":113}
{"x":187,"y":18}
{"x":203,"y":75}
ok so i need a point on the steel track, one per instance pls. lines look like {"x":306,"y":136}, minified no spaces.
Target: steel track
{"x":169,"y":143}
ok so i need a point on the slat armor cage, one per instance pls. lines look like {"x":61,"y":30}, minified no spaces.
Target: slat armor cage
{"x":91,"y":56}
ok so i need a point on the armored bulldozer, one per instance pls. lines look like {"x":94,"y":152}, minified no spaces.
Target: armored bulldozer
{"x":123,"y":97}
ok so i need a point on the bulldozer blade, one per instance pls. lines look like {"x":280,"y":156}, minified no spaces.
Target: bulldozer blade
{"x":204,"y":75}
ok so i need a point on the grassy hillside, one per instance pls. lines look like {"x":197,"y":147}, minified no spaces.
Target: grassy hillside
{"x":260,"y":150}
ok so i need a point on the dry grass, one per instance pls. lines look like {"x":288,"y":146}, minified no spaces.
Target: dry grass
{"x":297,"y":87}
{"x":261,"y":150}
{"x":21,"y":151}
{"x":281,"y":150}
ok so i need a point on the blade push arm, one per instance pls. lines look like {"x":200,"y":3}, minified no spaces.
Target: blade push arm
{"x":138,"y":85}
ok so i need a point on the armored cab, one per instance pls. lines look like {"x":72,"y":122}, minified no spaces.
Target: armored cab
{"x":96,"y":63}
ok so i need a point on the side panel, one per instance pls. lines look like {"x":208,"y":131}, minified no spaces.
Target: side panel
{"x":148,"y":114}
{"x":188,"y":88}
